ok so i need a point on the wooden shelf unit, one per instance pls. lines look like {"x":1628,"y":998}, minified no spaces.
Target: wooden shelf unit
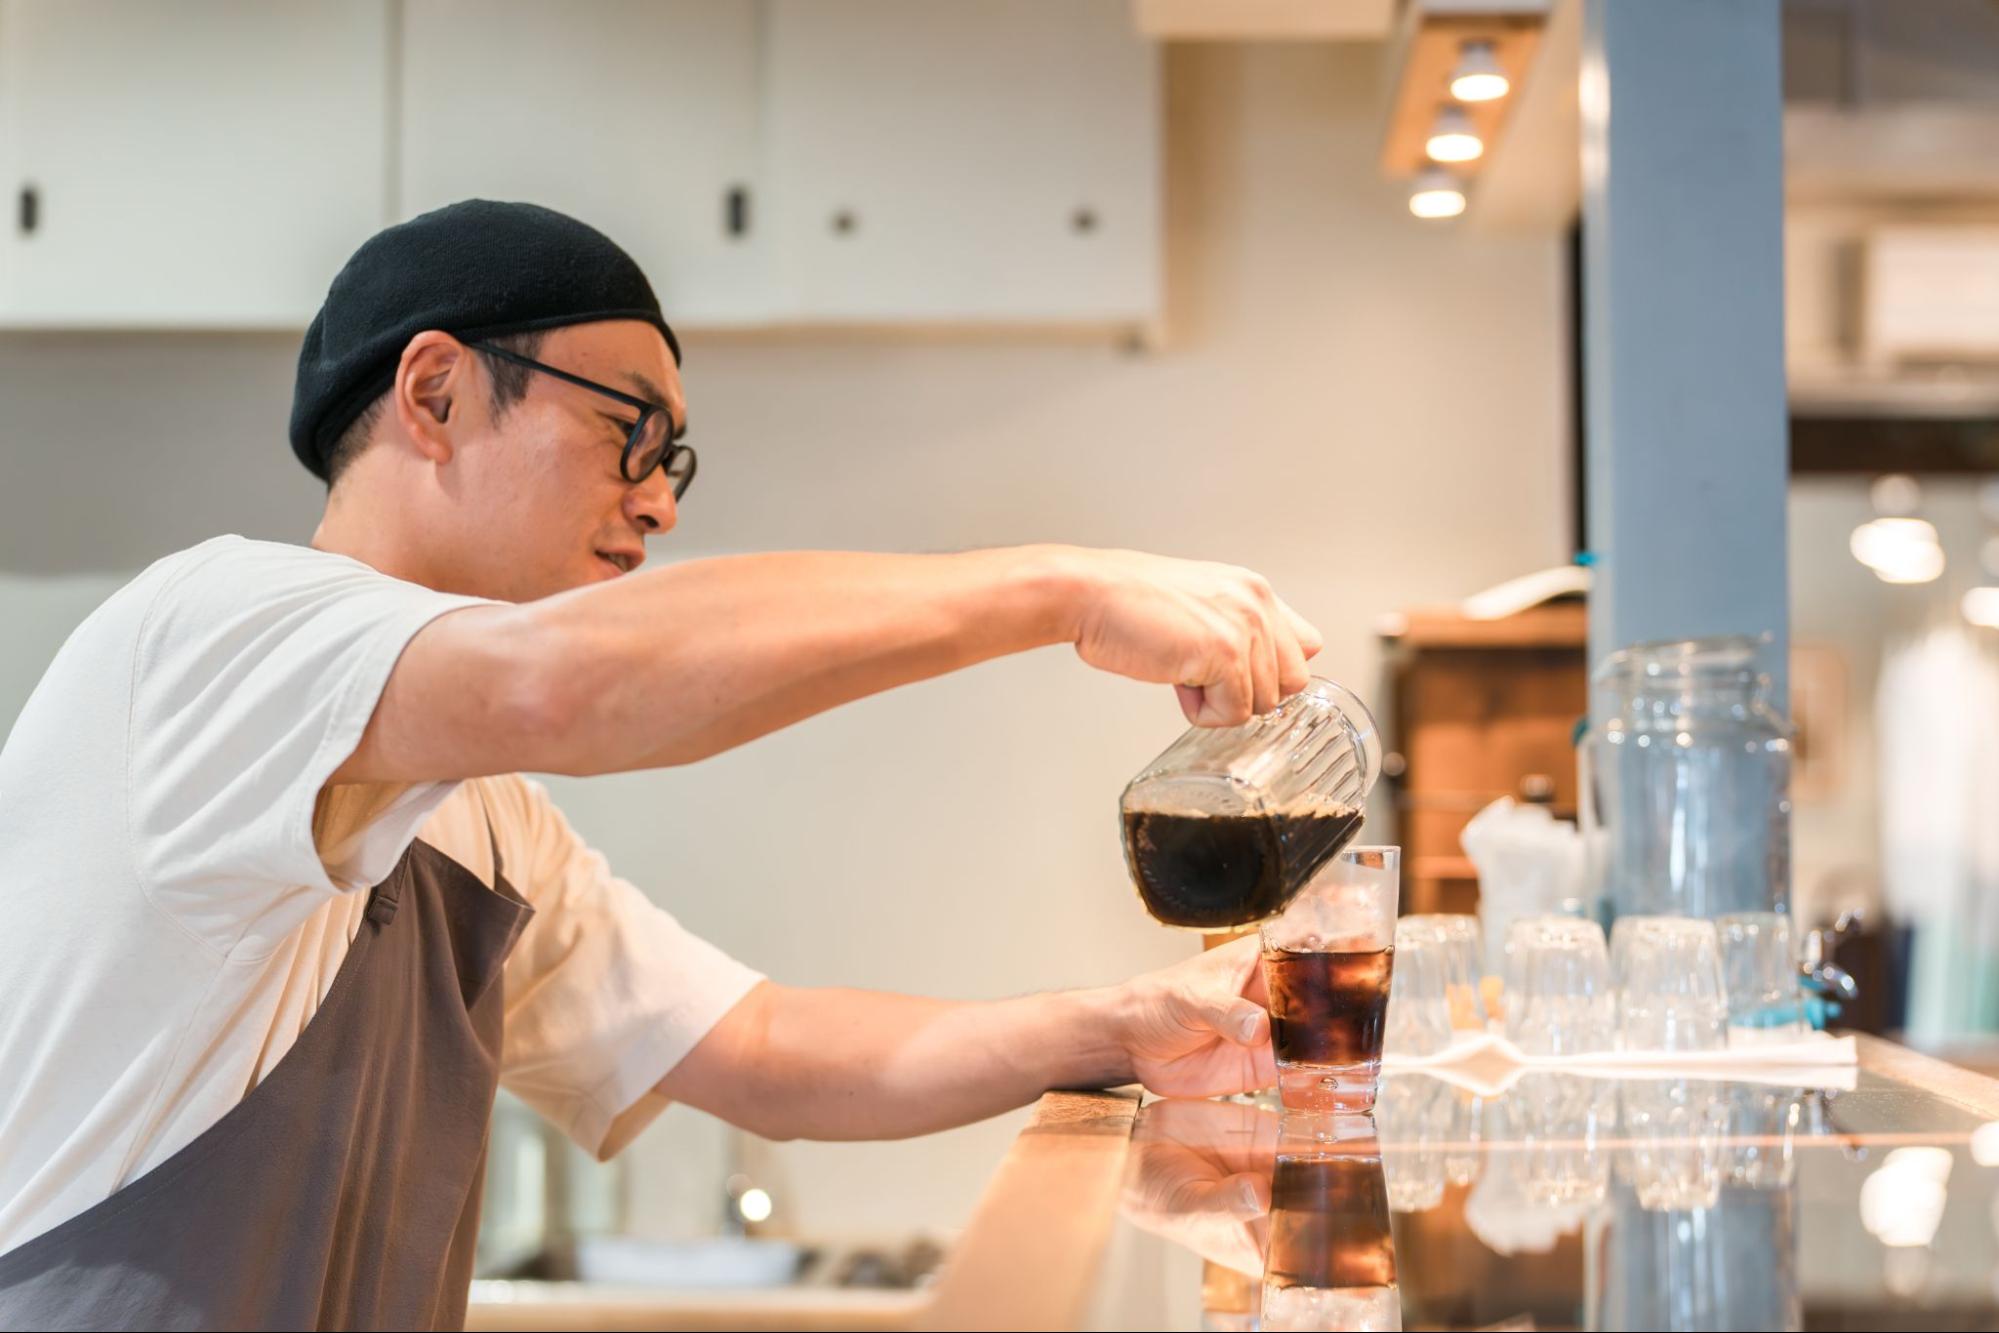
{"x":1480,"y":709}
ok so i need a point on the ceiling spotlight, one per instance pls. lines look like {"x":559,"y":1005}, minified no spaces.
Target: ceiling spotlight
{"x":1898,"y":550}
{"x":1895,"y":495}
{"x":1436,"y":194}
{"x":1981,"y":607}
{"x":1479,"y":77}
{"x":1452,"y":138}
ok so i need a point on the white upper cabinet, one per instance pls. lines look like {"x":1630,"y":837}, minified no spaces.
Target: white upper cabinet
{"x":211,"y":163}
{"x":638,"y":116}
{"x":979,"y":160}
{"x":199,"y":163}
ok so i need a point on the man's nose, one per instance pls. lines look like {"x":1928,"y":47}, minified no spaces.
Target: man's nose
{"x":650,"y":504}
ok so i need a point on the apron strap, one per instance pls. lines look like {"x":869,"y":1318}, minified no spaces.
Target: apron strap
{"x":492,"y":835}
{"x":385,"y":897}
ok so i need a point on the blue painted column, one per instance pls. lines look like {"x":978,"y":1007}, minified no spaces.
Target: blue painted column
{"x":1683,"y":318}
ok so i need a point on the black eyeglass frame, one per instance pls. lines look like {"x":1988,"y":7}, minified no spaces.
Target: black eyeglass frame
{"x":671,"y":452}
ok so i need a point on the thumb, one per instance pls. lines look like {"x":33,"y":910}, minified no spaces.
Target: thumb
{"x":1245,"y":1194}
{"x":1241,"y":1021}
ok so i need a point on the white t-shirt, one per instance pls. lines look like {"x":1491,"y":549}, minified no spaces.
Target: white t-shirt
{"x":176,"y":897}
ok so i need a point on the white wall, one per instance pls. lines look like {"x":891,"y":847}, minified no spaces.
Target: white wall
{"x":1837,"y":602}
{"x":1366,"y":408}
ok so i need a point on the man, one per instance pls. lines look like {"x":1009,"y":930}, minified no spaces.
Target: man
{"x":283,"y":915}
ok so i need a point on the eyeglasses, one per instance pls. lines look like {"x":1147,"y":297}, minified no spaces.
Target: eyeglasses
{"x":650,"y":442}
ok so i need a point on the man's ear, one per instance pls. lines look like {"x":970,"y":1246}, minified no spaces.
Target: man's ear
{"x":432,"y":378}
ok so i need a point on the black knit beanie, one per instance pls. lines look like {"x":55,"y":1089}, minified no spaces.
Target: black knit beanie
{"x":476,"y":270}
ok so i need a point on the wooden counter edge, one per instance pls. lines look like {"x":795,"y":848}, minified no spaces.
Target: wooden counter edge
{"x":1027,"y":1260}
{"x":1029,"y":1257}
{"x":1971,"y":1090}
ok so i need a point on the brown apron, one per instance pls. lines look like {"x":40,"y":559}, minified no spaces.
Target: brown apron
{"x":344,"y":1191}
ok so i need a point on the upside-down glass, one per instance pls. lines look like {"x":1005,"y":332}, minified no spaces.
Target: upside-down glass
{"x":1419,"y":1002}
{"x":1558,"y":992}
{"x":1760,"y":965}
{"x":1670,"y":995}
{"x":1463,"y":969}
{"x":1328,"y":962}
{"x":1228,"y":824}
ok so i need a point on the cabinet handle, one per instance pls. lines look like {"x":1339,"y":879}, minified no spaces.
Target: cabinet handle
{"x":31,"y":209}
{"x":736,"y":210}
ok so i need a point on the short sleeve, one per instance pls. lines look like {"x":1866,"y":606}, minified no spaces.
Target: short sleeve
{"x":255,"y":672}
{"x":606,"y":992}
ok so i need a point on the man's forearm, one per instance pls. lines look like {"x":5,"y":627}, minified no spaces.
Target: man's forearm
{"x":850,"y":1064}
{"x":675,"y":665}
{"x":669,"y":666}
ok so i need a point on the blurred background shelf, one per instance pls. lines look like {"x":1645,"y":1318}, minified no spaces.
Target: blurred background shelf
{"x":1480,"y":709}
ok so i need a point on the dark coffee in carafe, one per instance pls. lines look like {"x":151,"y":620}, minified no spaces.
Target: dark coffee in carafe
{"x":1216,"y":872}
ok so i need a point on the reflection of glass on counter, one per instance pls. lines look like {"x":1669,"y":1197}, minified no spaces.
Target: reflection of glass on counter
{"x":1230,"y":1301}
{"x":1426,"y":1128}
{"x":1763,"y":1125}
{"x":1702,"y":1230}
{"x":1462,"y":1158}
{"x":1561,"y":1121}
{"x":1673,"y":1130}
{"x":1729,"y":1265}
{"x":1332,"y":1256}
{"x":1556,"y":1167}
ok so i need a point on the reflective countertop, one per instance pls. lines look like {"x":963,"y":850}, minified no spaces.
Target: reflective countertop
{"x":1861,"y":1199}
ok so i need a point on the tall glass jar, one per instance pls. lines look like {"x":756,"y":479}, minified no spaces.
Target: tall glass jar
{"x":1687,"y":783}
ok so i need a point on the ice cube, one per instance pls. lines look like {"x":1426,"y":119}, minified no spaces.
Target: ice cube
{"x":1358,"y":1308}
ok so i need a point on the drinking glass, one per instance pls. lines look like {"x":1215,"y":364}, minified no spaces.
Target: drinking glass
{"x":1558,"y":995}
{"x":1462,"y":966}
{"x":1419,"y":1005}
{"x":1670,"y":993}
{"x":1327,"y":962}
{"x":1760,"y":965}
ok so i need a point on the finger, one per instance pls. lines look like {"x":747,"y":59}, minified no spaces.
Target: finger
{"x":1237,"y":961}
{"x":1310,"y":641}
{"x":1246,"y":1194}
{"x":1227,"y":699}
{"x":1254,"y":988}
{"x":1292,"y":674}
{"x":1193,"y":698}
{"x":1262,"y":668}
{"x":1262,"y":1068}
